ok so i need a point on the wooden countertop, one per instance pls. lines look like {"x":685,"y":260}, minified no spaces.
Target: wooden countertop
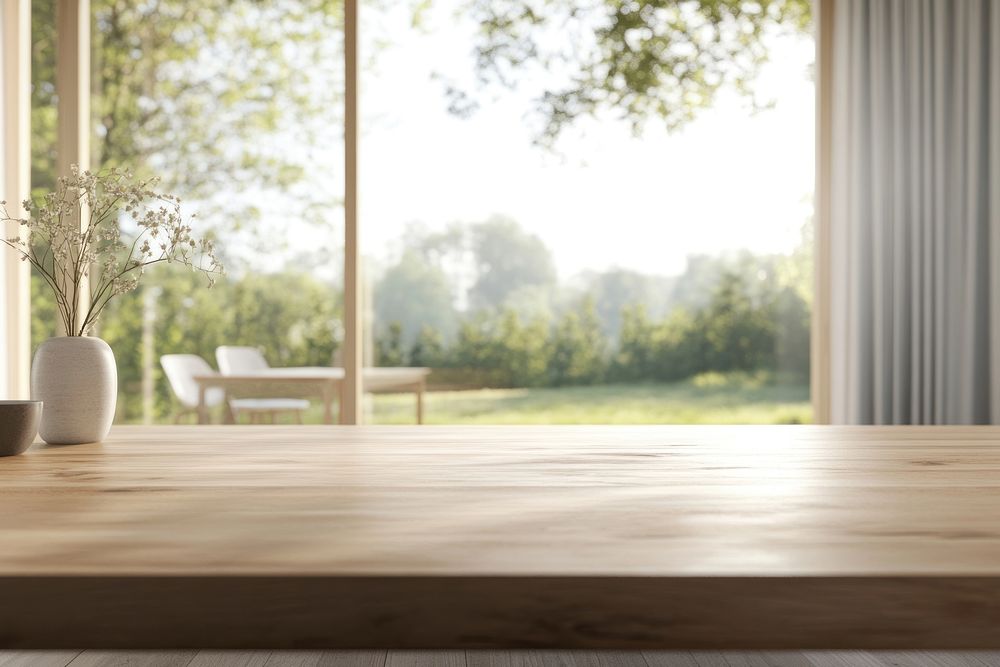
{"x":737,"y":537}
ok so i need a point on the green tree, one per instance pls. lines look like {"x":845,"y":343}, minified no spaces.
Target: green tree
{"x":793,"y":307}
{"x":617,"y":290}
{"x":632,"y":59}
{"x":792,"y":319}
{"x":738,"y":334}
{"x":633,"y":359}
{"x":169,"y":98}
{"x":484,"y":263}
{"x":680,"y":348}
{"x":292,"y":316}
{"x":429,"y":349}
{"x":389,"y":347}
{"x":665,"y":351}
{"x":502,"y":351}
{"x":577,"y":348}
{"x":414,"y":294}
{"x":508,"y":259}
{"x":207,"y":96}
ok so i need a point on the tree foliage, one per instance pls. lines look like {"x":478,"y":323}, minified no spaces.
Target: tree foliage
{"x":507,"y":259}
{"x":630,"y":59}
{"x":475,"y":266}
{"x":413,"y":294}
{"x":206,"y":95}
{"x":751,"y":322}
{"x":577,"y":347}
{"x":501,"y":350}
{"x":616,"y":289}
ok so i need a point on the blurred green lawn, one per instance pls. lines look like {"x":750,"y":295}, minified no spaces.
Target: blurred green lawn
{"x":707,"y":399}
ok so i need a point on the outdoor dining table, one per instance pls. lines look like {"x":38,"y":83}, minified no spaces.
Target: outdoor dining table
{"x":322,"y":380}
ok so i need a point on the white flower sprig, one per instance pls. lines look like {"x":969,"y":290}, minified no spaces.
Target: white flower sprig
{"x":75,"y":241}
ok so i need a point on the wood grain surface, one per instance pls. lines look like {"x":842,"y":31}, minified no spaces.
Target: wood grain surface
{"x":500,"y":658}
{"x":435,"y":537}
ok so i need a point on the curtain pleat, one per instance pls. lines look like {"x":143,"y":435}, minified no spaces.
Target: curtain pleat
{"x":915,"y":212}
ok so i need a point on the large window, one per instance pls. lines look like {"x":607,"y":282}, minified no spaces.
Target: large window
{"x":573,"y":213}
{"x":238,"y":108}
{"x":570,"y":213}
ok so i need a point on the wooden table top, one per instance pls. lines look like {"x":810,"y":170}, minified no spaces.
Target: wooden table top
{"x":485,"y":504}
{"x":521,"y":500}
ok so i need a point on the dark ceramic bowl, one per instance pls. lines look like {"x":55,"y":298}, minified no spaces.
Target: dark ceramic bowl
{"x":18,"y":425}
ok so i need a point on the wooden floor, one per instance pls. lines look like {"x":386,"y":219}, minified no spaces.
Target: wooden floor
{"x":619,"y":538}
{"x":499,"y":659}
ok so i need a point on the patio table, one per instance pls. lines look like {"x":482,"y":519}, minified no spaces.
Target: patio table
{"x":325,"y":381}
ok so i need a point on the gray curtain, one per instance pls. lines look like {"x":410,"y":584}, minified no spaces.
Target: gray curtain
{"x":915,"y":212}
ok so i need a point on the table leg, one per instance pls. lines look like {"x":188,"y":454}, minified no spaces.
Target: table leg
{"x":202,"y":407}
{"x":230,"y":418}
{"x":328,"y":392}
{"x":421,"y":386}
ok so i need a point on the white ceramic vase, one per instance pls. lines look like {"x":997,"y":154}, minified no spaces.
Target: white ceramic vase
{"x":77,"y":380}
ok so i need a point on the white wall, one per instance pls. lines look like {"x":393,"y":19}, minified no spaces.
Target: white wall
{"x":5,"y":389}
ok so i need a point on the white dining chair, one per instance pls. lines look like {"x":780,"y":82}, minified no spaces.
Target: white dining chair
{"x":235,"y":359}
{"x":181,"y":370}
